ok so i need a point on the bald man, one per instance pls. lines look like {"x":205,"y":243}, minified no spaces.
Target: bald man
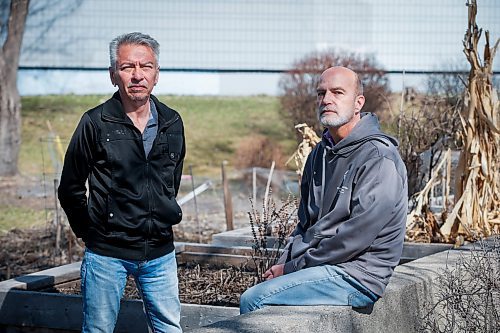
{"x":352,"y":212}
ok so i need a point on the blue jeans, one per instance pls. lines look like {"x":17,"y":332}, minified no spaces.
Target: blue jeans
{"x":103,"y":283}
{"x":321,"y":285}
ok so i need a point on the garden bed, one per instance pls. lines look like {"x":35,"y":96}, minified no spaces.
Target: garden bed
{"x":198,"y":284}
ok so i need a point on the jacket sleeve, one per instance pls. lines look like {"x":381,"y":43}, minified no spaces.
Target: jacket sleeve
{"x":378,"y":196}
{"x":72,"y":189}
{"x":180,"y":164}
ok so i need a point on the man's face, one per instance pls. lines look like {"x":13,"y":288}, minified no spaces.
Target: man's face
{"x":337,"y":98}
{"x":136,"y":72}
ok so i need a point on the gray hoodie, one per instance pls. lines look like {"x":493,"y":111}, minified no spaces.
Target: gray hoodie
{"x":353,"y":207}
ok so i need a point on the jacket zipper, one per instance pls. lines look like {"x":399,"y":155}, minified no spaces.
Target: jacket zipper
{"x":149,"y":222}
{"x":170,"y":122}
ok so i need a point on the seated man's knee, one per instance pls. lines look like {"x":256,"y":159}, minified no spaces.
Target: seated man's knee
{"x":248,"y":300}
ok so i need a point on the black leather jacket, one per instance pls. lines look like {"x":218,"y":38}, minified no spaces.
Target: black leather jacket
{"x":131,"y":204}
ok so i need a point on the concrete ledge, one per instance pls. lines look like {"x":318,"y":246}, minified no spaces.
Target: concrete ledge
{"x":43,"y":279}
{"x":398,"y":311}
{"x":22,"y":310}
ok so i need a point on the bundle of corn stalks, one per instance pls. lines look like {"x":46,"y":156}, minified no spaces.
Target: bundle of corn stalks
{"x":477,"y":197}
{"x":309,"y":140}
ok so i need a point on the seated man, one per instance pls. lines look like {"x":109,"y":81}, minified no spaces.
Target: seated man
{"x":352,"y":212}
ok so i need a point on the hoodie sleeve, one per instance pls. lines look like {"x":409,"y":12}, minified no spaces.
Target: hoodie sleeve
{"x":77,"y":163}
{"x":303,"y":211}
{"x":378,"y":203}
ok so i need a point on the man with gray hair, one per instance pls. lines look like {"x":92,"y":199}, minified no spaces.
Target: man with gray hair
{"x":130,"y":150}
{"x":352,"y":212}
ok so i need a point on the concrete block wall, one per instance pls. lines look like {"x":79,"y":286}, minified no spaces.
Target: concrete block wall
{"x":399,"y":311}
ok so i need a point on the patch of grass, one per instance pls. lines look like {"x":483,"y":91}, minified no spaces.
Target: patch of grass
{"x":214,"y":127}
{"x":19,"y":217}
{"x":38,"y":153}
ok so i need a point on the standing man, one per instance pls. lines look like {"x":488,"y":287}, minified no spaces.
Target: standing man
{"x":130,"y":150}
{"x":352,"y":212}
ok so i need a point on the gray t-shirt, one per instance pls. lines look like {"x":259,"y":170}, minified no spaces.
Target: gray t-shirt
{"x":151,"y":129}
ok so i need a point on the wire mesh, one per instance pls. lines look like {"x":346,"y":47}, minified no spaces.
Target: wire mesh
{"x":254,"y":35}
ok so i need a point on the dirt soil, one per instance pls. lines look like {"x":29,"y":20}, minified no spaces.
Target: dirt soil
{"x":28,"y":250}
{"x":197,"y":285}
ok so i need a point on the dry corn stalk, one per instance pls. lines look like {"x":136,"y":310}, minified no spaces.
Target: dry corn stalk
{"x":309,"y":141}
{"x":421,"y":223}
{"x":477,"y":198}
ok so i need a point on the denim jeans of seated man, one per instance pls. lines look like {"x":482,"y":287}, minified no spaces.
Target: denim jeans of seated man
{"x":321,"y":285}
{"x":103,"y":283}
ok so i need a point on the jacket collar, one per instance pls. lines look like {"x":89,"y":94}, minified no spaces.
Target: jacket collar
{"x":113,"y":111}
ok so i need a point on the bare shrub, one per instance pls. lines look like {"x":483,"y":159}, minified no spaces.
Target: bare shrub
{"x":468,"y":296}
{"x":278,"y":223}
{"x":449,"y":86}
{"x":298,"y":86}
{"x":430,"y":123}
{"x":258,"y":151}
{"x":425,"y":124}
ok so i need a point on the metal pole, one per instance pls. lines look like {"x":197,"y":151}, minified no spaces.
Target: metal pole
{"x":228,"y":204}
{"x":57,"y":222}
{"x":268,"y":186}
{"x":195,"y":204}
{"x":254,"y":185}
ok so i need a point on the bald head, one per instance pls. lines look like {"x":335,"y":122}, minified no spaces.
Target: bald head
{"x":336,"y":70}
{"x":339,"y":99}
